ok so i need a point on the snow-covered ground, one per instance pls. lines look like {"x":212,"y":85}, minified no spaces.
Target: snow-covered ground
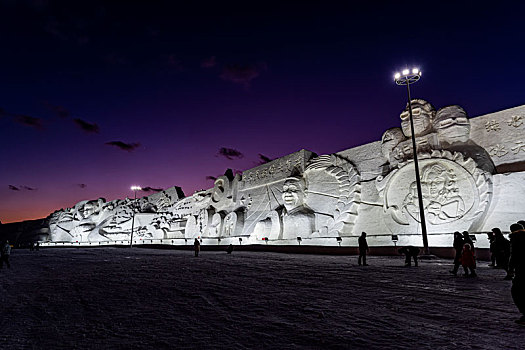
{"x":117,"y":298}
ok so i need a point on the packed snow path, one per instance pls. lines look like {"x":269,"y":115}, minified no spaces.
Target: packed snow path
{"x":117,"y":298}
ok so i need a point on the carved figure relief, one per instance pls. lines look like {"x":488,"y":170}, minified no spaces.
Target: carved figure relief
{"x":441,"y":195}
{"x":446,"y":129}
{"x":298,"y":218}
{"x":455,"y":193}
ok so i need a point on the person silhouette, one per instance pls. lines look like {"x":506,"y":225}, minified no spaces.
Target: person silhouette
{"x":4,"y":255}
{"x":458,"y":247}
{"x":363,"y":249}
{"x":517,"y":265}
{"x":196,"y":247}
{"x":410,"y":253}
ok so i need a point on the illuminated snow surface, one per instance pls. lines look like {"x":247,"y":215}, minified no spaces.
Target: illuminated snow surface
{"x":111,"y":298}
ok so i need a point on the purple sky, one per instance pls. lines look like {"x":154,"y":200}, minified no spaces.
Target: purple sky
{"x":97,"y":96}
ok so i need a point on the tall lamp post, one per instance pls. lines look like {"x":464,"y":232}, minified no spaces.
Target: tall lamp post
{"x":407,"y":77}
{"x":134,"y":189}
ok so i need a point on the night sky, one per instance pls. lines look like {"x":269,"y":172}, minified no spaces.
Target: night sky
{"x":96,"y":96}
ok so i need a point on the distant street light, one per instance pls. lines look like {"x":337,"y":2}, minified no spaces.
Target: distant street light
{"x":407,"y":77}
{"x":134,"y":189}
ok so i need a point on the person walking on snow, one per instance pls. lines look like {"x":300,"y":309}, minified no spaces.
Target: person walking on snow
{"x":363,"y":249}
{"x":5,"y":253}
{"x":468,"y":261}
{"x":458,"y":246}
{"x":196,"y":247}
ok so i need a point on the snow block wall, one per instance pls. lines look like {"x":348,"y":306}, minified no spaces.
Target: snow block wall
{"x":472,"y":174}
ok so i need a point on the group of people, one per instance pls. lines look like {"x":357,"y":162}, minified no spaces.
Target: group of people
{"x":465,"y":254}
{"x":410,"y":252}
{"x":507,"y":254}
{"x":197,"y":247}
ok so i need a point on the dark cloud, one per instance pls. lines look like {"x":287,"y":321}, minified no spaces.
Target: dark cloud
{"x":21,"y":187}
{"x":60,"y":111}
{"x":230,"y":153}
{"x":209,"y":62}
{"x":26,"y":120}
{"x":210,"y":177}
{"x":264,"y":159}
{"x":129,"y":147}
{"x":242,"y":74}
{"x":151,"y":189}
{"x":86,"y":126}
{"x":82,"y":185}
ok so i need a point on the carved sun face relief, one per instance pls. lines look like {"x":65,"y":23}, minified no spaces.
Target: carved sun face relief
{"x":455,"y":193}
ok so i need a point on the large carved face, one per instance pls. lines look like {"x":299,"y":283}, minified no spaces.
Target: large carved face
{"x":452,"y":125}
{"x":436,"y":179}
{"x":422,"y":113}
{"x":391,"y":138}
{"x":87,"y":210}
{"x":293,"y":193}
{"x":435,"y":183}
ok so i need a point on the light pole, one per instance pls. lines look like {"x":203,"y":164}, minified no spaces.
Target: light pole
{"x":407,"y":77}
{"x":134,"y":189}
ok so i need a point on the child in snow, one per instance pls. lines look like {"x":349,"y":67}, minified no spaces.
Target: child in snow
{"x":468,"y":260}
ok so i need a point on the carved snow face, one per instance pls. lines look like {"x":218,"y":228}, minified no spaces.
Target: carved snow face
{"x":435,"y":183}
{"x":452,"y":125}
{"x":293,"y":194}
{"x":391,"y":138}
{"x":88,"y":210}
{"x":422,"y":113}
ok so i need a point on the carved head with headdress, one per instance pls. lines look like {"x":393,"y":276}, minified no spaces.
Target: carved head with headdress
{"x":423,"y":113}
{"x":452,"y":125}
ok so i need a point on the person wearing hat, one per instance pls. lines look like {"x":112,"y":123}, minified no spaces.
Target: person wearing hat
{"x":5,"y":253}
{"x":517,"y":265}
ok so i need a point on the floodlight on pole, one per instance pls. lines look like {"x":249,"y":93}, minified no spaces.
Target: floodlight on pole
{"x":134,"y":189}
{"x":407,"y":77}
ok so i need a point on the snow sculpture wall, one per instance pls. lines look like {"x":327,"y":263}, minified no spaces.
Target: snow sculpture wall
{"x":303,"y":198}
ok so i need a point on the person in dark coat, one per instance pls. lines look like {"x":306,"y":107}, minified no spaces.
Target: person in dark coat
{"x":196,"y":247}
{"x":501,"y":249}
{"x":491,"y":248}
{"x":467,"y":239}
{"x":517,"y":265}
{"x":229,"y":250}
{"x":5,"y":252}
{"x":363,"y":249}
{"x":410,"y":252}
{"x":458,"y":247}
{"x":468,"y":261}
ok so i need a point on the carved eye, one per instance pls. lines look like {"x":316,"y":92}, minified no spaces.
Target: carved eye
{"x":445,"y":123}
